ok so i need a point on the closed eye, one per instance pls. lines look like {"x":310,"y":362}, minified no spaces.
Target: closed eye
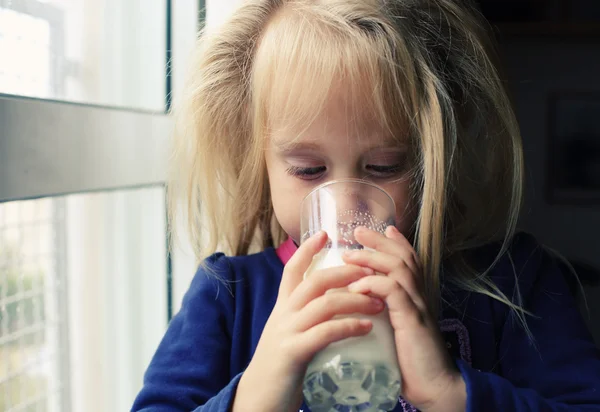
{"x":307,"y":173}
{"x":385,"y":171}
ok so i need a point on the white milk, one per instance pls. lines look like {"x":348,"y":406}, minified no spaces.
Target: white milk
{"x":356,"y":374}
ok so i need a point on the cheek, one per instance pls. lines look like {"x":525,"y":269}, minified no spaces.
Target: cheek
{"x":406,"y":210}
{"x":286,"y":197}
{"x":287,"y":212}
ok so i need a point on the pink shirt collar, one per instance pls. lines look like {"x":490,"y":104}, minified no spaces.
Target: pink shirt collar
{"x":286,"y":250}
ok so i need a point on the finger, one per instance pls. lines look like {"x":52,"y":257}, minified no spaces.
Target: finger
{"x":300,"y":262}
{"x":392,"y":266}
{"x":393,"y":233}
{"x":396,"y":246}
{"x":329,"y":305}
{"x":320,"y":336}
{"x":321,"y":281}
{"x":399,"y":302}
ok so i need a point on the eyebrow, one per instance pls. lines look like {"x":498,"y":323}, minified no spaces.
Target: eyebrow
{"x":291,"y":147}
{"x":287,"y":148}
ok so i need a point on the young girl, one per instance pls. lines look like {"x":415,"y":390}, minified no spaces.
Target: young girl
{"x":289,"y":94}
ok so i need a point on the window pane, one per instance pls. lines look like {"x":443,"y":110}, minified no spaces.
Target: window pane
{"x":83,"y":299}
{"x":30,"y":294}
{"x":107,"y":52}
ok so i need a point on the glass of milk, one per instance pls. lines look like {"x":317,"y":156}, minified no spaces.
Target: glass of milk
{"x":358,"y":373}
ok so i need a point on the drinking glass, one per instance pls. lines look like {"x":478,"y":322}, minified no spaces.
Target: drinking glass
{"x":358,"y":373}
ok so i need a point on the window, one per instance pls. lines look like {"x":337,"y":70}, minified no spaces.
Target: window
{"x":31,"y":293}
{"x":84,"y":292}
{"x":105,"y":52}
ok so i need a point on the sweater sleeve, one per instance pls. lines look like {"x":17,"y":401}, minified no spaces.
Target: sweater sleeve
{"x":559,"y":370}
{"x":190,"y":369}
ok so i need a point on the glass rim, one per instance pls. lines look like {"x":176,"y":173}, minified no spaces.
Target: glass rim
{"x":350,"y":180}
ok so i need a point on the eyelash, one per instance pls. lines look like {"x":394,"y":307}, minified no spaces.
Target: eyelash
{"x":312,"y":173}
{"x":307,"y":173}
{"x":385,"y":170}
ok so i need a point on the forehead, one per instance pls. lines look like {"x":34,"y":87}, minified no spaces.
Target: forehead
{"x":336,"y":127}
{"x":345,"y":122}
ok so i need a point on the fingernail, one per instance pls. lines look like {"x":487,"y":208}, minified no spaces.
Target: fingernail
{"x":354,"y":287}
{"x":318,"y":236}
{"x":368,"y":271}
{"x":364,"y":322}
{"x":378,"y":303}
{"x":349,"y":254}
{"x":394,"y":229}
{"x":361,"y":229}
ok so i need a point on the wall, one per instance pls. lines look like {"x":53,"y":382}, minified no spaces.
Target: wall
{"x":536,"y":68}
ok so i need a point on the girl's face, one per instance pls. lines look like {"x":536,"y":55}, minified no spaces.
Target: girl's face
{"x":337,"y":145}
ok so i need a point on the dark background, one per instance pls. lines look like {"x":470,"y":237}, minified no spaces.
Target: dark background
{"x":550,"y":51}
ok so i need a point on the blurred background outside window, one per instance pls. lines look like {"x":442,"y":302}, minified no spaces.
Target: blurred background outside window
{"x":84,"y":274}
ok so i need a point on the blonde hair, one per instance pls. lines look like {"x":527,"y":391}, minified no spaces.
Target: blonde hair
{"x":427,"y":70}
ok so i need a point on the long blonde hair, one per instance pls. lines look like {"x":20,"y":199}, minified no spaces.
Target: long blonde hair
{"x":431,"y":75}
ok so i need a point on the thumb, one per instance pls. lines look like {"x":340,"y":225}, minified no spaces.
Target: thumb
{"x":300,"y":262}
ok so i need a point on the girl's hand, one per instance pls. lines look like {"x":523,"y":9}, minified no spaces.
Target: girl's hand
{"x":430,"y":379}
{"x":300,"y":325}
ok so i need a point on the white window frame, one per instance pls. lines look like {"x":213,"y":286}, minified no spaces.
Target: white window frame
{"x":51,"y":148}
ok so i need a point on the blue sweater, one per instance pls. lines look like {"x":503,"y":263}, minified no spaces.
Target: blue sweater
{"x":211,"y":340}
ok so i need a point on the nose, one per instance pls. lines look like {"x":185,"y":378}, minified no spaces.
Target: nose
{"x":353,"y":209}
{"x":342,"y":207}
{"x":351,"y":201}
